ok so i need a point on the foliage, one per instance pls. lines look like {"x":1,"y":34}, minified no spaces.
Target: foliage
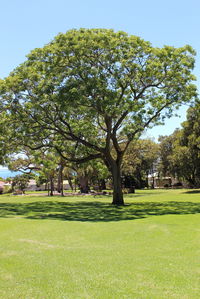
{"x":180,"y":152}
{"x":84,"y":90}
{"x":20,"y":182}
{"x":26,"y":164}
{"x":7,"y":189}
{"x":166,"y":145}
{"x":139,"y":161}
{"x":92,"y":173}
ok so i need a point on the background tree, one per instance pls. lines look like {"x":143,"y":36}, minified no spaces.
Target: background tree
{"x":166,"y":144}
{"x":70,"y":174}
{"x":138,"y":162}
{"x":48,"y":162}
{"x":25,"y":163}
{"x":186,"y":150}
{"x":43,"y":164}
{"x":180,"y":152}
{"x":191,"y":139}
{"x":91,"y":174}
{"x":91,"y":86}
{"x":20,"y":182}
{"x":99,"y":175}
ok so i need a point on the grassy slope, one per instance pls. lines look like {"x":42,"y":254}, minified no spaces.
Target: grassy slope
{"x":85,"y":248}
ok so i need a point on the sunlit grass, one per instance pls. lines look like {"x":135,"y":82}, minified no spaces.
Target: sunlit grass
{"x":83,"y":247}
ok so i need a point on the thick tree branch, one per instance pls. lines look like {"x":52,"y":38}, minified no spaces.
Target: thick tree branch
{"x":78,"y":160}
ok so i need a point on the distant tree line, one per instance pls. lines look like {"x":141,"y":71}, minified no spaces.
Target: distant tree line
{"x":180,"y":152}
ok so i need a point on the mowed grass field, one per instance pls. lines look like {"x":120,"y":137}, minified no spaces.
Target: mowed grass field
{"x":83,"y":247}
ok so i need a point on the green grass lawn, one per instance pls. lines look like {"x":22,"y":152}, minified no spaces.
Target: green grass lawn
{"x":84,"y":247}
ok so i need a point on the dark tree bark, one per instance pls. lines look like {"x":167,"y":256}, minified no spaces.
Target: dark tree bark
{"x":117,"y":187}
{"x":83,"y":181}
{"x":51,"y":186}
{"x":115,"y":168}
{"x":48,"y":189}
{"x":147,"y":179}
{"x":70,"y":183}
{"x":62,"y":190}
{"x":102,"y":184}
{"x":60,"y":179}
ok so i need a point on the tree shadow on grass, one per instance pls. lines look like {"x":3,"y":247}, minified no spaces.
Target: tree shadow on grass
{"x":141,"y":194}
{"x":192,"y":192}
{"x":95,"y":211}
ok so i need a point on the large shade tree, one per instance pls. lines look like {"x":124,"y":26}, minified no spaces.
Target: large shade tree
{"x":93,"y":91}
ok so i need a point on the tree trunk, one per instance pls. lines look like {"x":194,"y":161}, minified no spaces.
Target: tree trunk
{"x":48,"y":189}
{"x":60,"y":180}
{"x":51,"y":186}
{"x":147,"y":179}
{"x":117,"y":187}
{"x":102,"y":184}
{"x":62,"y":187}
{"x":70,"y":183}
{"x":75,"y":183}
{"x":84,"y":187}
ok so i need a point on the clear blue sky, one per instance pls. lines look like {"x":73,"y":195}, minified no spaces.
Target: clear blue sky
{"x":26,"y":25}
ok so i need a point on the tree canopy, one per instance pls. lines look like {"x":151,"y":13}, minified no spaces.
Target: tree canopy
{"x":139,"y":161}
{"x":180,"y":152}
{"x":90,"y":92}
